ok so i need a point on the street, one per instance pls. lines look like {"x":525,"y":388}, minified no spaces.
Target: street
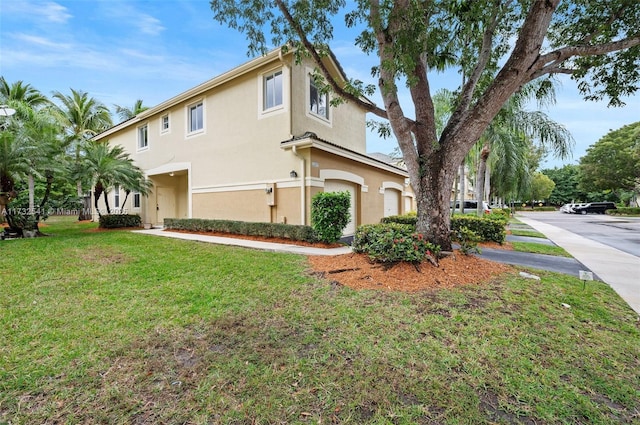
{"x":622,"y":233}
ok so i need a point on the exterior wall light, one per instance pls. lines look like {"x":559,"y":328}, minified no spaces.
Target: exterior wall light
{"x":293,"y":174}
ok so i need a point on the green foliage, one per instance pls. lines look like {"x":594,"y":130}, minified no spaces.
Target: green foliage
{"x":330,"y":215}
{"x":541,"y":187}
{"x":496,"y":213}
{"x":401,"y":219}
{"x":114,"y":221}
{"x":613,"y":162}
{"x":624,"y":211}
{"x":566,"y":189}
{"x":268,"y":230}
{"x":393,"y":242}
{"x":487,"y":228}
{"x":468,"y":240}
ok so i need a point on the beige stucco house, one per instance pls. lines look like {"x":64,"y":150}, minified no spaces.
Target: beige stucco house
{"x":256,"y":144}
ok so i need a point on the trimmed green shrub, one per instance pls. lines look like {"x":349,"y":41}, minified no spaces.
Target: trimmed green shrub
{"x":411,"y":219}
{"x":330,"y":214}
{"x":624,"y":211}
{"x":114,"y":221}
{"x":269,"y":230}
{"x":490,"y":229}
{"x":468,"y":240}
{"x":393,"y":242}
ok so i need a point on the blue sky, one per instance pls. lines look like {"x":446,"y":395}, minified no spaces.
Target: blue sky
{"x":122,"y":50}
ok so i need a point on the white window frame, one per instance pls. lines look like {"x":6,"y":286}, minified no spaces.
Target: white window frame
{"x":270,"y":83}
{"x":162,"y":121}
{"x":310,"y":113}
{"x":136,"y":200}
{"x":262,"y":89}
{"x":116,"y":197}
{"x":143,"y":128}
{"x":191,"y":107}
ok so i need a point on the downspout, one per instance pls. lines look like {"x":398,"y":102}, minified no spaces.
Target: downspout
{"x":303,"y":189}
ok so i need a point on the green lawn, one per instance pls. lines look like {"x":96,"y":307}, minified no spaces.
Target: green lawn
{"x":530,"y":233}
{"x":121,"y":328}
{"x":538,"y":248}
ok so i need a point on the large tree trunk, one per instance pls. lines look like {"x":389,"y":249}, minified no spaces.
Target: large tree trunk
{"x":433,"y":197}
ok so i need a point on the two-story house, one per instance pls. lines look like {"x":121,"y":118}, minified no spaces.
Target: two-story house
{"x":256,"y":144}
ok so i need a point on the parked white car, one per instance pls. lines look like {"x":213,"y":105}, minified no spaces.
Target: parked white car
{"x":570,"y":208}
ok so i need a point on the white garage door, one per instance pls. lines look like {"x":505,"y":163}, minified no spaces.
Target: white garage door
{"x":391,"y":202}
{"x":341,"y":186}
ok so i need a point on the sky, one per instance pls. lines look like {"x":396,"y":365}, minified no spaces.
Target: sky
{"x":119,"y":51}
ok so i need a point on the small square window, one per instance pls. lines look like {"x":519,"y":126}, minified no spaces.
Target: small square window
{"x":143,"y":137}
{"x":196,"y":117}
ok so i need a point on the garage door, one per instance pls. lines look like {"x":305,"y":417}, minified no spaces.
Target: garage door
{"x":341,"y":186}
{"x":391,"y":202}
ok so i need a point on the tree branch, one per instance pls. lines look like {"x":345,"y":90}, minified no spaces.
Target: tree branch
{"x":551,"y":62}
{"x":337,"y":88}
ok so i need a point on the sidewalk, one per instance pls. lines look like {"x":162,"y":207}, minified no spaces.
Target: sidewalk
{"x":245,"y":243}
{"x":617,"y":268}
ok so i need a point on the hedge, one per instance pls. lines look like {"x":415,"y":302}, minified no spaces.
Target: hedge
{"x":490,"y":227}
{"x":393,"y":242}
{"x":624,"y":211}
{"x":268,"y":230}
{"x":114,"y":221}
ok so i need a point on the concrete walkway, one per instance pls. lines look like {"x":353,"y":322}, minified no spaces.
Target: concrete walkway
{"x":245,"y":243}
{"x":617,"y":268}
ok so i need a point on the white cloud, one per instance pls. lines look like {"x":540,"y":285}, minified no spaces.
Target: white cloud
{"x":45,"y":11}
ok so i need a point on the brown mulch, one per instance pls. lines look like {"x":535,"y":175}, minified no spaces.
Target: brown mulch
{"x":358,"y":272}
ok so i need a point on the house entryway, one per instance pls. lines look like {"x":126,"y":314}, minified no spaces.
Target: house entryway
{"x":165,"y":204}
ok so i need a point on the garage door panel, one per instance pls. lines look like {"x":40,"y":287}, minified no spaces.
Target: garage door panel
{"x":342,"y":186}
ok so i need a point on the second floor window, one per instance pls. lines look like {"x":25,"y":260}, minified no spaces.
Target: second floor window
{"x":196,"y":117}
{"x":272,"y":90}
{"x":143,"y":137}
{"x":164,"y":123}
{"x":318,"y":102}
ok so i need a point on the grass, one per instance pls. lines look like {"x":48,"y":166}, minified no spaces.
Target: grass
{"x":116,"y":327}
{"x":538,"y":248}
{"x":529,"y":233}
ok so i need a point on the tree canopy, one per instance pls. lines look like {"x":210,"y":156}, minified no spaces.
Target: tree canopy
{"x":613,"y":162}
{"x":496,"y":46}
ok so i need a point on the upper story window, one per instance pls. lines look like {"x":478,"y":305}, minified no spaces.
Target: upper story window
{"x":143,"y":137}
{"x":318,"y":102}
{"x":272,"y":96}
{"x":195,"y":117}
{"x":164,"y":123}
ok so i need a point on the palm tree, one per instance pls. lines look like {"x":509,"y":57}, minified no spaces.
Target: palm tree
{"x":21,"y":97}
{"x":82,"y":117}
{"x":126,"y":113}
{"x":107,"y":166}
{"x":507,"y":142}
{"x":14,"y":163}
